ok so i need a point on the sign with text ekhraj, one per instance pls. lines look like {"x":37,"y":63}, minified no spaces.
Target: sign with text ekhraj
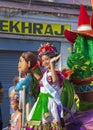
{"x":33,"y":28}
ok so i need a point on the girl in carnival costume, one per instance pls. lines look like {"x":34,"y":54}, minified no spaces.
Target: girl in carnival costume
{"x":27,"y":61}
{"x":47,"y":112}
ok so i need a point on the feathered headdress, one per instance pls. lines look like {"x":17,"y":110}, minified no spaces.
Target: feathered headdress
{"x":46,"y":48}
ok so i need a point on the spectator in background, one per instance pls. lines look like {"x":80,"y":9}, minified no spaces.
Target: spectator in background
{"x":1,"y":98}
{"x":15,"y":81}
{"x":16,"y":117}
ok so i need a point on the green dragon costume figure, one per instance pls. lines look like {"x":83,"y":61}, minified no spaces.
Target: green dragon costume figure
{"x":81,"y":60}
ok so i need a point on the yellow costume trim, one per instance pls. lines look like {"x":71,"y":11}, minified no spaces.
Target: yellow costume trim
{"x":46,"y":115}
{"x":33,"y":123}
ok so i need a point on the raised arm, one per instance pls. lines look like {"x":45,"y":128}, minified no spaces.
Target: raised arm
{"x":52,"y":67}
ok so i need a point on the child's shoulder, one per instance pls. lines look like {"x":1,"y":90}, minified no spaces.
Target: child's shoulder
{"x":19,"y":112}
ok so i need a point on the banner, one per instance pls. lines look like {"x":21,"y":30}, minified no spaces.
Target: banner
{"x":31,"y":28}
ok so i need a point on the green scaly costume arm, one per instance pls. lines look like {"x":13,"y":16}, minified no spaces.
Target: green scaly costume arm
{"x":79,"y":60}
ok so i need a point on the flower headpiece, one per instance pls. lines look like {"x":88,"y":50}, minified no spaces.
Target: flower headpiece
{"x":46,"y":48}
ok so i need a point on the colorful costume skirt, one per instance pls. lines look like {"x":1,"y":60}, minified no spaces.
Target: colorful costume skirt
{"x":44,"y":114}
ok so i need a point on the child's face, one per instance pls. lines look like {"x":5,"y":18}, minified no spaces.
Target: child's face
{"x":22,"y":65}
{"x":46,"y":61}
{"x":14,"y":105}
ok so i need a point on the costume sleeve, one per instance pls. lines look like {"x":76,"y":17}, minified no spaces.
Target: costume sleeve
{"x":61,"y":78}
{"x":25,"y":82}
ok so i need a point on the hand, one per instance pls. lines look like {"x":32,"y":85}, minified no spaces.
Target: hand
{"x":55,"y":58}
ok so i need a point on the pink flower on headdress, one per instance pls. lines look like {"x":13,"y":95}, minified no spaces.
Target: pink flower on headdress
{"x":46,"y":48}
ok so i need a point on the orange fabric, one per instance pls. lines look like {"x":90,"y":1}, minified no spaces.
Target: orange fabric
{"x":92,"y":4}
{"x":67,"y":72}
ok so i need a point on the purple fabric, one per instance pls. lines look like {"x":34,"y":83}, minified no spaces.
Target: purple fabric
{"x":79,"y":121}
{"x":27,"y":128}
{"x":84,"y":121}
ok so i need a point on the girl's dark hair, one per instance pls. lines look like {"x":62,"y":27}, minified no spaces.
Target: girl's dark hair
{"x":29,"y":56}
{"x":51,"y":54}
